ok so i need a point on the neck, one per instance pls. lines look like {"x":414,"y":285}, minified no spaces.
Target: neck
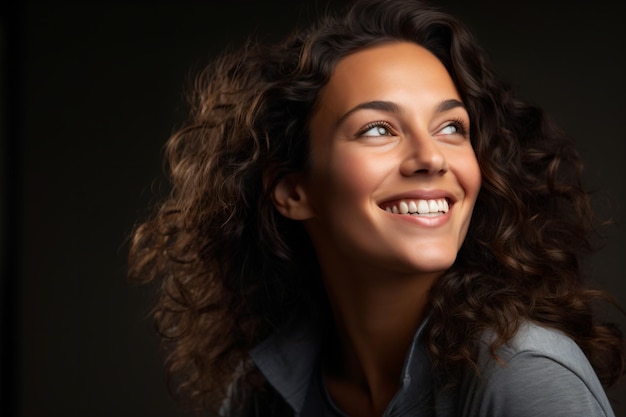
{"x":376,"y":320}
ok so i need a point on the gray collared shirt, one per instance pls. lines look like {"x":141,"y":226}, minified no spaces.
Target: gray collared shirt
{"x":544,"y":374}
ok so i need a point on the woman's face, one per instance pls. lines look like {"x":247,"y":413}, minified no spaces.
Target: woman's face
{"x":393,"y":176}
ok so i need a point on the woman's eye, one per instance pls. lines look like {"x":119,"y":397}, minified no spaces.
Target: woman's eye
{"x":376,"y":129}
{"x":457,"y":127}
{"x":450,"y":130}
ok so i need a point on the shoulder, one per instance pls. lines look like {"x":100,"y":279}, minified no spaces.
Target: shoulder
{"x":532,"y":340}
{"x":541,"y":372}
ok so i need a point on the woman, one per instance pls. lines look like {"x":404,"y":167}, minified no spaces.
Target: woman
{"x":364,"y":220}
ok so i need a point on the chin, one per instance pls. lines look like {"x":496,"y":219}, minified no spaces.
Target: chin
{"x":434,"y":262}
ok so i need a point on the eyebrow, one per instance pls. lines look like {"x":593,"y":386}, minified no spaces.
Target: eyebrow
{"x":391,"y":107}
{"x":449,"y":105}
{"x":386,"y":106}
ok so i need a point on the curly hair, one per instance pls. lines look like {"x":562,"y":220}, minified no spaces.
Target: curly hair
{"x":231,"y":269}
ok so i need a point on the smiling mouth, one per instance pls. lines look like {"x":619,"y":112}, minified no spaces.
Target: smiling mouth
{"x":428,"y":208}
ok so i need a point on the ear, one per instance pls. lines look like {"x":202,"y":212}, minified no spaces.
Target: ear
{"x":290,"y":198}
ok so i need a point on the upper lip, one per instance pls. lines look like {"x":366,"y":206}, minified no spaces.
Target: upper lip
{"x":421,"y":195}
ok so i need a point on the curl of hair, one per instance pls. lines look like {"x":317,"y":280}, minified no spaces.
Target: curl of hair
{"x":231,"y":269}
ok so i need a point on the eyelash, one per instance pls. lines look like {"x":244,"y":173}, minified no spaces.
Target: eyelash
{"x":379,"y":123}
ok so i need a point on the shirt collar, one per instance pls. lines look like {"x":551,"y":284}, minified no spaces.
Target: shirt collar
{"x":288,"y":360}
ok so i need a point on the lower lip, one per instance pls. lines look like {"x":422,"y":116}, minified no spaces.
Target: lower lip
{"x":426,"y":221}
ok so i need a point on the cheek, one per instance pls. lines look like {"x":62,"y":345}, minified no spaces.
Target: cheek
{"x":476,"y":179}
{"x":468,"y":173}
{"x":470,"y":179}
{"x":354,"y":175}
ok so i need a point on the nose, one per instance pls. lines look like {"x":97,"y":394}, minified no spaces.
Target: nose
{"x":423,"y":155}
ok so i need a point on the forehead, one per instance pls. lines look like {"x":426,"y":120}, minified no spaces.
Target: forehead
{"x":401,"y":72}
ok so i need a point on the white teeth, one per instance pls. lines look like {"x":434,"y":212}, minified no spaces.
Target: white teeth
{"x":420,"y":207}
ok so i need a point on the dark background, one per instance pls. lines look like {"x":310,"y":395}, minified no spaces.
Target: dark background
{"x":91,"y":92}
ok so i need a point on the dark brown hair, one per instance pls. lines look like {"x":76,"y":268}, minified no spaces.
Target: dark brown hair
{"x":231,"y":269}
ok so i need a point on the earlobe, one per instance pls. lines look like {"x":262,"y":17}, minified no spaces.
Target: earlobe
{"x":290,"y":198}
